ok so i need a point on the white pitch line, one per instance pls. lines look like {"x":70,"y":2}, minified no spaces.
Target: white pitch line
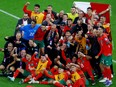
{"x":114,"y":61}
{"x":9,"y":14}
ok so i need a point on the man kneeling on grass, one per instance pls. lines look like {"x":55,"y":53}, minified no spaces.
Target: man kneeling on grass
{"x":31,"y":63}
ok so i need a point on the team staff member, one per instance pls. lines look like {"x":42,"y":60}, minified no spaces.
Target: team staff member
{"x":38,"y":16}
{"x":8,"y":61}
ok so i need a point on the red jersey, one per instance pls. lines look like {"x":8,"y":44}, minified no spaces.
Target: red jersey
{"x":88,"y":18}
{"x":52,"y":15}
{"x":66,"y":28}
{"x":32,"y":63}
{"x":84,"y":63}
{"x":38,"y":16}
{"x":68,"y":60}
{"x":106,"y":46}
{"x":27,"y":11}
{"x":39,"y":35}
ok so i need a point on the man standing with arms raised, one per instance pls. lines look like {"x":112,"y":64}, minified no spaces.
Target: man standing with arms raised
{"x":36,"y":15}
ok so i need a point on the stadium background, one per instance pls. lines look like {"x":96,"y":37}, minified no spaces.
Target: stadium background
{"x":8,"y":23}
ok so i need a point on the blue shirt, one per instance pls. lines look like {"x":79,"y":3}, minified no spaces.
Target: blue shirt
{"x":29,"y":32}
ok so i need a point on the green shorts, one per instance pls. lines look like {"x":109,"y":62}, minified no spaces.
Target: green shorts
{"x":106,"y":60}
{"x":62,"y":82}
{"x":26,"y":73}
{"x":40,"y":43}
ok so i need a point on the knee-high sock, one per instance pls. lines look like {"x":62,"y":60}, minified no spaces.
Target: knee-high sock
{"x":44,"y":82}
{"x":108,"y":73}
{"x":57,"y":84}
{"x":89,"y":71}
{"x":104,"y":73}
{"x":38,"y":76}
{"x":26,"y":80}
{"x":16,"y":73}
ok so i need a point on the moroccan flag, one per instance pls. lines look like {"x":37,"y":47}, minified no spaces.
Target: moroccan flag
{"x":95,"y":6}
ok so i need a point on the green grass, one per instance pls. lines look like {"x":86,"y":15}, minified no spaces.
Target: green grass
{"x":7,"y":26}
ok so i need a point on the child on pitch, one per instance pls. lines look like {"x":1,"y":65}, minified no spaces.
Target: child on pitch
{"x":31,"y":64}
{"x":84,"y":63}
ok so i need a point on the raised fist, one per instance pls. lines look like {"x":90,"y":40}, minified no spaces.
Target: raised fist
{"x":27,"y":3}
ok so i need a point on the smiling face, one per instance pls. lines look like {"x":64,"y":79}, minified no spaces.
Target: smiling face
{"x":102,"y":19}
{"x":36,"y":9}
{"x":73,"y":68}
{"x":23,"y":53}
{"x":25,"y":16}
{"x":31,"y":43}
{"x":100,"y":31}
{"x":18,"y":35}
{"x":49,"y":9}
{"x":43,"y":59}
{"x":81,"y":14}
{"x":43,"y":28}
{"x":79,"y":34}
{"x":61,"y":13}
{"x":28,"y":57}
{"x":89,"y":11}
{"x":69,"y":22}
{"x":65,"y":17}
{"x":74,"y":59}
{"x":53,"y":27}
{"x":60,"y":70}
{"x":10,"y":47}
{"x":67,"y":34}
{"x":80,"y":54}
{"x":73,"y":10}
{"x":33,"y":23}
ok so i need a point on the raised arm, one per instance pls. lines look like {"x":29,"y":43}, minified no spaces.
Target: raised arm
{"x":26,"y":10}
{"x":103,"y":12}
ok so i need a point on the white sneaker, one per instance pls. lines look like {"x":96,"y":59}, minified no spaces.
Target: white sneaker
{"x":11,"y":78}
{"x":112,"y":76}
{"x":103,"y":80}
{"x":30,"y":82}
{"x":35,"y":81}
